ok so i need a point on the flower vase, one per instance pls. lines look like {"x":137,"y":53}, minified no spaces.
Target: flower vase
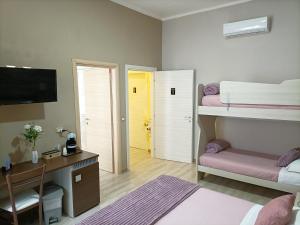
{"x":35,"y":156}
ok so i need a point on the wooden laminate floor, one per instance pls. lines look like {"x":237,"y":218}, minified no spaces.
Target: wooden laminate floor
{"x":143,"y":168}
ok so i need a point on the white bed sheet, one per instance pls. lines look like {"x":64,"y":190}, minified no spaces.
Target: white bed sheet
{"x":251,"y":216}
{"x":296,"y":216}
{"x":287,"y":177}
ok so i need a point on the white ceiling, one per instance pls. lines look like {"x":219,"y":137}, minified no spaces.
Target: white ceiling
{"x":170,"y":9}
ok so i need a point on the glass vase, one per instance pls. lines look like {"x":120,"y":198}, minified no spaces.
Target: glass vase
{"x":35,"y":156}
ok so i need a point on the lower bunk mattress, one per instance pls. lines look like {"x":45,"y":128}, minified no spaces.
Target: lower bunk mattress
{"x":249,"y":163}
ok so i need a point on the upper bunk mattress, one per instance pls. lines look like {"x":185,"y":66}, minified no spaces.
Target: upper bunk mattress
{"x":243,"y":162}
{"x":215,"y":100}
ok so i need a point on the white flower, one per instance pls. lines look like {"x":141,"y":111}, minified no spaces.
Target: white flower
{"x":27,"y":126}
{"x":38,"y":128}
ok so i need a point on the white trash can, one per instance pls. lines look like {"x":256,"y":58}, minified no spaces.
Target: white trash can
{"x":52,"y":204}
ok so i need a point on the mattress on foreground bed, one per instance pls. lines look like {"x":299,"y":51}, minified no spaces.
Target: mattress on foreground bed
{"x":206,"y":207}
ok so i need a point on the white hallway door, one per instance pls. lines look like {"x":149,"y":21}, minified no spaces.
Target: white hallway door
{"x":96,"y":114}
{"x":173,"y":107}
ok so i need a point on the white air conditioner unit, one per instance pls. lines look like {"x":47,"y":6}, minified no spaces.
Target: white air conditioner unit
{"x":251,"y":26}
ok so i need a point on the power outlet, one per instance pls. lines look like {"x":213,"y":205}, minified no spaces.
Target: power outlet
{"x":59,"y":130}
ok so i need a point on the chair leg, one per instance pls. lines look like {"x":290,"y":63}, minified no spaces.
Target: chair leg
{"x":15,"y":219}
{"x":40,"y":214}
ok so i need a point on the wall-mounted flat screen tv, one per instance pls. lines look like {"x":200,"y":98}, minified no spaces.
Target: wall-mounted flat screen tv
{"x":24,"y":86}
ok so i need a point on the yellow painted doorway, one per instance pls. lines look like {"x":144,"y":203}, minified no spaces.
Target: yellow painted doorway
{"x":139,"y":96}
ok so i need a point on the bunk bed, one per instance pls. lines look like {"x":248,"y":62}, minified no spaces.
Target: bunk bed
{"x":249,"y":101}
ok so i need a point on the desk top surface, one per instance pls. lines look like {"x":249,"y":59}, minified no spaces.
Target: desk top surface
{"x":51,"y":164}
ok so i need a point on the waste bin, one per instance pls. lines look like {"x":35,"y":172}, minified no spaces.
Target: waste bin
{"x":52,"y":203}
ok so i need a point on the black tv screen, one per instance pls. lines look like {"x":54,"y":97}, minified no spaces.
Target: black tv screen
{"x":23,"y":86}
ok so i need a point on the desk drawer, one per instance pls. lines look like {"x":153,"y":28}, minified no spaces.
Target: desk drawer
{"x":86,"y":188}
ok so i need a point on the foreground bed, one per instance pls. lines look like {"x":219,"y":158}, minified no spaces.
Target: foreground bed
{"x":153,"y":203}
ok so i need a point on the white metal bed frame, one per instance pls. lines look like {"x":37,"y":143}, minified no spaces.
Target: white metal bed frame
{"x":207,"y":121}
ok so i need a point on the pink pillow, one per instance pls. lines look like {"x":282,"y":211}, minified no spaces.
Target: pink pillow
{"x":277,"y":212}
{"x":217,"y":145}
{"x":211,"y":89}
{"x":288,"y":157}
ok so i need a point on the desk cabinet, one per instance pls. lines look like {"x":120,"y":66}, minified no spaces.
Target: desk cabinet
{"x":81,"y":186}
{"x":86,"y":194}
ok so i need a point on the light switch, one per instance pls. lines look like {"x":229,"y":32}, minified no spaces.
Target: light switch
{"x":77,"y":178}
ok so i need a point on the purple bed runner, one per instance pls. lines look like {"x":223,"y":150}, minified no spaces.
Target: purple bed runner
{"x":146,"y":205}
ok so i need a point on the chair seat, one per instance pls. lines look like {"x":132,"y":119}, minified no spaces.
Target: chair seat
{"x":23,"y":200}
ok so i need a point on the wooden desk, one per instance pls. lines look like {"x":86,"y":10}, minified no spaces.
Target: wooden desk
{"x":51,"y":164}
{"x":81,"y":195}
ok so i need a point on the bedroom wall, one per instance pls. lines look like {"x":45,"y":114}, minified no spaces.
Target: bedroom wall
{"x":48,"y":34}
{"x":196,"y":42}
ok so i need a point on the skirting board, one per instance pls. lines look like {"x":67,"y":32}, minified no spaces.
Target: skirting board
{"x":252,"y":180}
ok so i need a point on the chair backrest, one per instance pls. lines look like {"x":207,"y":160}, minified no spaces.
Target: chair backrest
{"x":26,"y":177}
{"x":19,"y":180}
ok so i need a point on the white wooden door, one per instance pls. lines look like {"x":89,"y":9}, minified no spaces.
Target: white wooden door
{"x":173,"y":115}
{"x":98,"y":115}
